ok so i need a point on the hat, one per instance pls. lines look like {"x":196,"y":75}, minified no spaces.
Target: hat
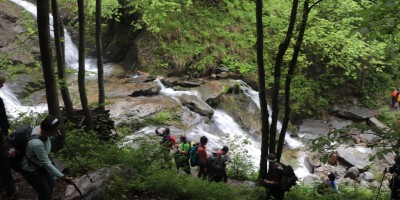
{"x":271,"y":157}
{"x":215,"y":150}
{"x":50,"y":123}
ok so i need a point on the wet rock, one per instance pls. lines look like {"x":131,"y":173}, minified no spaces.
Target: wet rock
{"x":311,"y":129}
{"x":145,"y":89}
{"x":378,"y":124}
{"x":355,"y":156}
{"x":355,"y":113}
{"x":352,"y":173}
{"x":140,"y":79}
{"x":196,"y":105}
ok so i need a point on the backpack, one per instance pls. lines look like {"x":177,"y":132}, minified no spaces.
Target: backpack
{"x":218,"y":165}
{"x":16,"y":144}
{"x":193,"y":154}
{"x":289,"y":178}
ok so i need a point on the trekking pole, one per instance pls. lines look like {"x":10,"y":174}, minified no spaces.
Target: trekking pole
{"x":77,"y":189}
{"x":77,"y":161}
{"x":379,"y":189}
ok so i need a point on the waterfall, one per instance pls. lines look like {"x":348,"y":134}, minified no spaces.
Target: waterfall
{"x":71,"y":52}
{"x":224,"y":130}
{"x":14,"y":107}
{"x":302,"y":170}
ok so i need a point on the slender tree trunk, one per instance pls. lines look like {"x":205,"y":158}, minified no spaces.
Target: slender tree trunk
{"x":261,"y":84}
{"x":99,"y":48}
{"x":292,"y":67}
{"x":60,"y":55}
{"x":45,"y":56}
{"x":277,"y":75}
{"x":88,"y":122}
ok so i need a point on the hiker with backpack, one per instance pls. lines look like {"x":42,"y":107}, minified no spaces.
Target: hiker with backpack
{"x":182,"y":155}
{"x":5,"y":172}
{"x":37,"y":168}
{"x":167,"y":142}
{"x":202,"y":157}
{"x":215,"y":166}
{"x":395,"y":181}
{"x":225,"y":158}
{"x":394,"y":96}
{"x":273,"y":179}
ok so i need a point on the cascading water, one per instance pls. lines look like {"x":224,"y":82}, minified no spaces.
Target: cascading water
{"x":302,"y":170}
{"x":71,"y":52}
{"x":224,"y":130}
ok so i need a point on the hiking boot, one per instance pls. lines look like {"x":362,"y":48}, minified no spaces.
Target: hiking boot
{"x":13,"y":195}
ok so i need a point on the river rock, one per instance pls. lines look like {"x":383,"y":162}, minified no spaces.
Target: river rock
{"x":368,"y":176}
{"x":311,"y":129}
{"x":212,"y":90}
{"x":98,"y":189}
{"x":196,"y":105}
{"x":140,"y":79}
{"x":355,"y":113}
{"x":338,"y":123}
{"x":355,"y":156}
{"x":352,"y":173}
{"x":378,"y":124}
{"x":145,"y":89}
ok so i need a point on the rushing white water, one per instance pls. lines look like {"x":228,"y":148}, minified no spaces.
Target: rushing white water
{"x":71,"y":52}
{"x":14,"y":107}
{"x":302,"y":170}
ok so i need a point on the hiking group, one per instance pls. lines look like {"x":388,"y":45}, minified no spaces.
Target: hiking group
{"x":190,"y":154}
{"x":279,"y":179}
{"x":395,"y":95}
{"x":26,"y":150}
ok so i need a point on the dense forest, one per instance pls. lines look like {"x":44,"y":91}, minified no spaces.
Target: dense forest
{"x":303,"y":56}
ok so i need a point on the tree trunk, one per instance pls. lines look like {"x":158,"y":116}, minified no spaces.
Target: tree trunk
{"x":60,"y":55}
{"x":88,"y":121}
{"x":100,"y":70}
{"x":277,"y":75}
{"x":261,"y":84}
{"x":45,"y":56}
{"x":292,"y":67}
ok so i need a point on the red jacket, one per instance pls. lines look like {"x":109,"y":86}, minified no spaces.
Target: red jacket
{"x":202,"y":154}
{"x":394,"y":93}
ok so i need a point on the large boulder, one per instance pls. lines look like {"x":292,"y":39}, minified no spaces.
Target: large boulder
{"x":212,"y":90}
{"x":355,"y":156}
{"x":101,"y":188}
{"x":355,"y":113}
{"x":145,"y":89}
{"x":196,"y":105}
{"x":311,"y":129}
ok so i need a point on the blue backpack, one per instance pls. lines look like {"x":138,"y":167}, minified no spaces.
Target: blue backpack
{"x":193,"y":154}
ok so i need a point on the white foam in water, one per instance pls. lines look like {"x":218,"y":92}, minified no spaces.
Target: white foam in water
{"x":14,"y":107}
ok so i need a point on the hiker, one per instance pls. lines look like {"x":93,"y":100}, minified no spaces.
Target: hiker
{"x":225,"y":158}
{"x":395,"y":181}
{"x":5,"y":172}
{"x":398,"y":101}
{"x":215,"y":166}
{"x":166,"y":137}
{"x":202,"y":157}
{"x":37,"y":167}
{"x":394,"y":96}
{"x":273,"y":178}
{"x":182,"y":155}
{"x":166,"y":145}
{"x":331,"y":182}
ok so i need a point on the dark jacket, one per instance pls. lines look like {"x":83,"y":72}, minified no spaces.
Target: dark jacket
{"x":4,"y":125}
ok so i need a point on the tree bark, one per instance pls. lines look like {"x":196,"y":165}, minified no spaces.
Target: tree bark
{"x":45,"y":56}
{"x":100,"y":68}
{"x":60,"y":55}
{"x":88,"y":121}
{"x":261,"y":84}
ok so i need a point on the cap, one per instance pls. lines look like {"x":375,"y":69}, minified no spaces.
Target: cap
{"x":271,"y":157}
{"x":215,"y":150}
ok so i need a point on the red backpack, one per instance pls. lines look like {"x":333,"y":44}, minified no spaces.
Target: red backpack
{"x":172,"y":139}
